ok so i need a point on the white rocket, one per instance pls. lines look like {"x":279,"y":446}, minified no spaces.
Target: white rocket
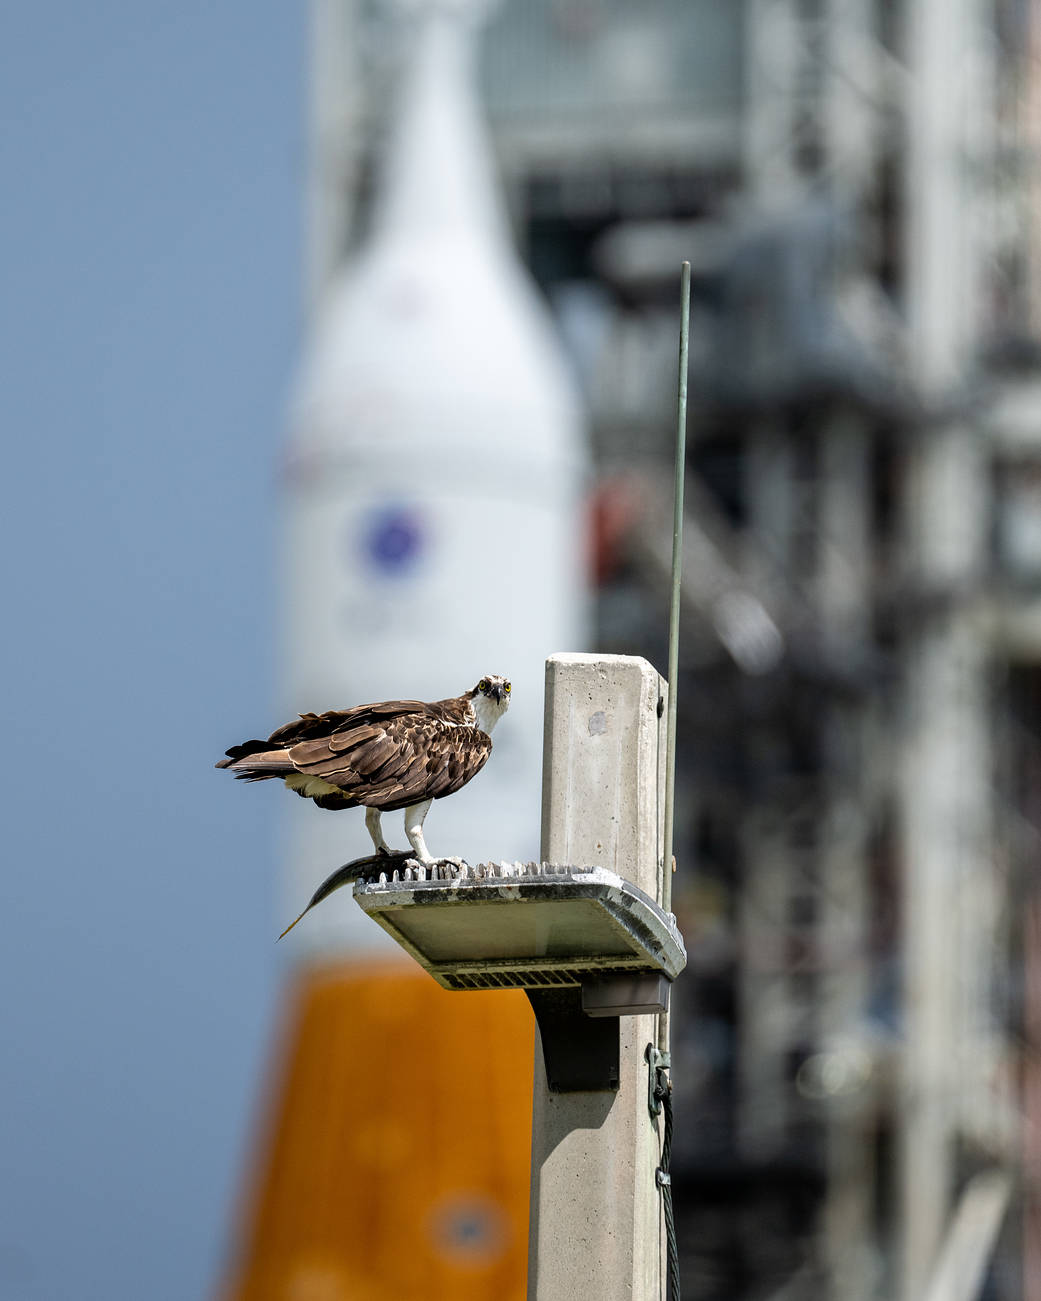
{"x":434,"y":484}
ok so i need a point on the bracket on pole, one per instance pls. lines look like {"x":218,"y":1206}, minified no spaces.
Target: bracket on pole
{"x":657,"y":1062}
{"x":579,"y":1027}
{"x":580,"y":1051}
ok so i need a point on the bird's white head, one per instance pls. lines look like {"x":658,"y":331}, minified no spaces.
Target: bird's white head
{"x":490,"y":700}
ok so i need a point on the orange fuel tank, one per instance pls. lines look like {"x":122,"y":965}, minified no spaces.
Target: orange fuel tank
{"x":394,"y":1158}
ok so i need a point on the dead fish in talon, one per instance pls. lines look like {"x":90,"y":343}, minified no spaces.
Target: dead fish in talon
{"x":401,"y":866}
{"x":358,"y":869}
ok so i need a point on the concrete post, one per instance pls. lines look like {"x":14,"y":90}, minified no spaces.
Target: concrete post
{"x":596,"y":1219}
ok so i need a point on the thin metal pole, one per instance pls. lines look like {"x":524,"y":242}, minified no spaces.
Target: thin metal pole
{"x":668,"y":864}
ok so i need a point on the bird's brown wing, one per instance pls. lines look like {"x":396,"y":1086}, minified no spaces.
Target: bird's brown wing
{"x":394,"y":759}
{"x":309,"y":726}
{"x":269,"y":755}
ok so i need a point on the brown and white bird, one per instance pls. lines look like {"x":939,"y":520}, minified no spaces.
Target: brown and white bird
{"x":397,"y":754}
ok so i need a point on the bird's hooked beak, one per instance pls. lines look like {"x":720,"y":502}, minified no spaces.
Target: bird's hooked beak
{"x":497,"y":692}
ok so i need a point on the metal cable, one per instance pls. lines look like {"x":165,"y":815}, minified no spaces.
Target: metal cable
{"x":663,"y":1092}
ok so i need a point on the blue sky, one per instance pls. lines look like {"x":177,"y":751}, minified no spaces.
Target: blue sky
{"x":150,"y":236}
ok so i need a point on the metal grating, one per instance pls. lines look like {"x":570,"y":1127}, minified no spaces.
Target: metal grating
{"x":547,"y":978}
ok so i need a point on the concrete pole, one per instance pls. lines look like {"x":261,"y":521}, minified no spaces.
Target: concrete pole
{"x":596,"y":1218}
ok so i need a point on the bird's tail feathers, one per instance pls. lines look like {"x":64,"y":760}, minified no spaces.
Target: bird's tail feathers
{"x":253,"y":767}
{"x":238,"y":752}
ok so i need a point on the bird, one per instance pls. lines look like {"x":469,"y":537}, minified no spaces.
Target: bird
{"x":394,"y":754}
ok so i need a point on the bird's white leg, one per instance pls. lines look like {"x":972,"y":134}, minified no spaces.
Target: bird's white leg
{"x":372,"y":826}
{"x":414,"y":815}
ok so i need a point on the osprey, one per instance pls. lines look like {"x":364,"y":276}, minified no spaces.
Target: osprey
{"x":397,"y":754}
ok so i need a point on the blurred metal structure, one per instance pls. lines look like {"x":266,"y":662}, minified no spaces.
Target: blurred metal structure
{"x":857,"y":818}
{"x":944,"y":792}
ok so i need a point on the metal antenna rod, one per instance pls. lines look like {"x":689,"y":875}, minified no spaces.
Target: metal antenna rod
{"x":668,"y":864}
{"x":664,"y":1056}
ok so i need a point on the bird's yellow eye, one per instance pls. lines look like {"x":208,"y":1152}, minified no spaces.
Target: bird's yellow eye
{"x":507,"y":688}
{"x":482,"y":685}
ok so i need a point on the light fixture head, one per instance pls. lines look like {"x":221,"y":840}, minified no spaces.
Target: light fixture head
{"x":530,"y":926}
